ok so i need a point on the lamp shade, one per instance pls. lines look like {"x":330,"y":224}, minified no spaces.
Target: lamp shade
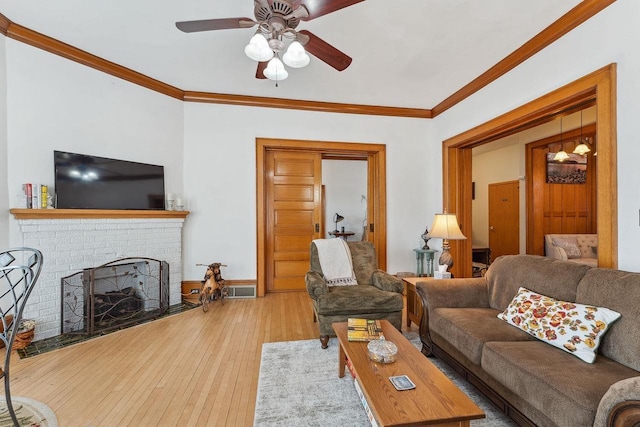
{"x":582,"y":149}
{"x":295,"y":56}
{"x":275,"y":70}
{"x":258,"y":49}
{"x":445,"y":226}
{"x":561,"y":156}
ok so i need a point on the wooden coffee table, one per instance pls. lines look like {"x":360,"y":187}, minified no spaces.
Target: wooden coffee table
{"x":435,"y":401}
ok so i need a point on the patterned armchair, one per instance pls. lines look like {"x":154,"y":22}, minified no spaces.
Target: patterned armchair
{"x":378,"y":295}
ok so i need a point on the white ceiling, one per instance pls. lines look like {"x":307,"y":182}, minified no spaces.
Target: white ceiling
{"x":406,"y":53}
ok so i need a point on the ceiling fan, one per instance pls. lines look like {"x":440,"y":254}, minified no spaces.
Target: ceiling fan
{"x":277,"y":21}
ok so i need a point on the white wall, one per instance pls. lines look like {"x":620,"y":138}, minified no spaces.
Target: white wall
{"x":345,"y":182}
{"x":54,"y":103}
{"x":609,"y":37}
{"x":220,"y":178}
{"x":4,"y":186}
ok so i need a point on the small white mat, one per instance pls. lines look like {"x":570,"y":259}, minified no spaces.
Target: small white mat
{"x":335,"y":261}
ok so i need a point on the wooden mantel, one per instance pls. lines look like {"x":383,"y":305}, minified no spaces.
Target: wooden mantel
{"x":94,"y":214}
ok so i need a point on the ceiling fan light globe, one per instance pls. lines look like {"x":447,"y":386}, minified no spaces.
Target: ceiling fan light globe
{"x":275,"y":70}
{"x":295,"y":56}
{"x":258,"y":49}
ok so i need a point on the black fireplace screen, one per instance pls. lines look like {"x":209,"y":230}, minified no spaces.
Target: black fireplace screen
{"x":114,"y":295}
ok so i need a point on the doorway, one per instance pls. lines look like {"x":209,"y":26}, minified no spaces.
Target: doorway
{"x":375,"y":156}
{"x":598,"y":87}
{"x":504,"y":215}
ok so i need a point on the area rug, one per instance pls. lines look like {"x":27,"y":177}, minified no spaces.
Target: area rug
{"x":29,"y":412}
{"x":298,"y":385}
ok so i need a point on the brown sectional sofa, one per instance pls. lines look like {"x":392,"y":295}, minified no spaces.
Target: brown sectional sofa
{"x":531,"y":381}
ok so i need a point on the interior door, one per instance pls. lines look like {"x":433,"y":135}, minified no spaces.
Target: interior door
{"x":504,"y":218}
{"x":294,"y":212}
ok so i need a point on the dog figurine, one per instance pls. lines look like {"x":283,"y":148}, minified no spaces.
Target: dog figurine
{"x":213,"y":281}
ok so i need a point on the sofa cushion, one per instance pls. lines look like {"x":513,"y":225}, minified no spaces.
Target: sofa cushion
{"x":358,"y":299}
{"x":570,"y":246}
{"x":552,"y":381}
{"x":557,"y":279}
{"x":619,"y":291}
{"x":468,"y":329}
{"x":572,"y":327}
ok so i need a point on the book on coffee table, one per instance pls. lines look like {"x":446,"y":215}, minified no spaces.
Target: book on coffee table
{"x":363,"y":329}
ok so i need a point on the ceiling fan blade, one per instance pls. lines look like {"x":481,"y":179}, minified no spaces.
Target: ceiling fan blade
{"x":215,"y":24}
{"x":325,"y":52}
{"x":318,"y":8}
{"x":260,"y":70}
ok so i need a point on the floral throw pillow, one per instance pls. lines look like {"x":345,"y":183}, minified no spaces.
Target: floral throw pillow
{"x":574,"y":328}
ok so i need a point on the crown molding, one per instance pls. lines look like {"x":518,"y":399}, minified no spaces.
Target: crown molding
{"x":570,"y":20}
{"x":4,"y":24}
{"x":576,"y":16}
{"x":295,"y":104}
{"x":49,"y":44}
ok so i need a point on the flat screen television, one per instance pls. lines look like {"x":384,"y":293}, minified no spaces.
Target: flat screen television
{"x":91,"y":182}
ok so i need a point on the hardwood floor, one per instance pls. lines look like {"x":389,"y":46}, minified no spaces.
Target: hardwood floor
{"x":191,"y":369}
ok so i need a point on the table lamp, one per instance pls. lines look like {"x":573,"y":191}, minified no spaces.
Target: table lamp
{"x":337,"y":218}
{"x":445,"y":226}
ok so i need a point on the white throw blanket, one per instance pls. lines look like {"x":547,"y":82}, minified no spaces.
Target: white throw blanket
{"x":335,"y":261}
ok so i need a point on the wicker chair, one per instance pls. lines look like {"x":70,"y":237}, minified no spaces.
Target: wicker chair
{"x":378,"y":295}
{"x":19,"y":271}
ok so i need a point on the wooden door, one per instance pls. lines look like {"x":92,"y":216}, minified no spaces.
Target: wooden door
{"x":504,"y":218}
{"x":294,"y":182}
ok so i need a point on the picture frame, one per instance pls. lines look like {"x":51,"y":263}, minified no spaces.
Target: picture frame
{"x":570,"y":171}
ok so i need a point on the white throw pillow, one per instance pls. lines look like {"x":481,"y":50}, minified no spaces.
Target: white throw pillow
{"x":570,"y":246}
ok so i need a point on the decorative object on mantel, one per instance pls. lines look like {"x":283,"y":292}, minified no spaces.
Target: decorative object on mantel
{"x":276,"y":33}
{"x":445,"y":226}
{"x":171,"y":201}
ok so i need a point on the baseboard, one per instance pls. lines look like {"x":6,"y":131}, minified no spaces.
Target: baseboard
{"x":237,"y":289}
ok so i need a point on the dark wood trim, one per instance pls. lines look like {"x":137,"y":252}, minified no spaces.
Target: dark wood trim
{"x":576,"y":16}
{"x":4,"y":24}
{"x":296,"y":104}
{"x":94,"y":213}
{"x":376,"y":190}
{"x":534,"y":221}
{"x":599,"y":86}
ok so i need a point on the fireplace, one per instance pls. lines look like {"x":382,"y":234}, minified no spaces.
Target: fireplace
{"x":114,"y":295}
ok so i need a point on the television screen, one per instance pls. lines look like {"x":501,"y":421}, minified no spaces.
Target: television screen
{"x":90,"y":182}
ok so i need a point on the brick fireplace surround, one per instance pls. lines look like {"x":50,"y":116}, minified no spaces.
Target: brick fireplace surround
{"x":71,"y":240}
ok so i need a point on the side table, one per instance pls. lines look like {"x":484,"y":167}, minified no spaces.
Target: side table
{"x":344,"y":235}
{"x":414,"y":305}
{"x":421,"y":254}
